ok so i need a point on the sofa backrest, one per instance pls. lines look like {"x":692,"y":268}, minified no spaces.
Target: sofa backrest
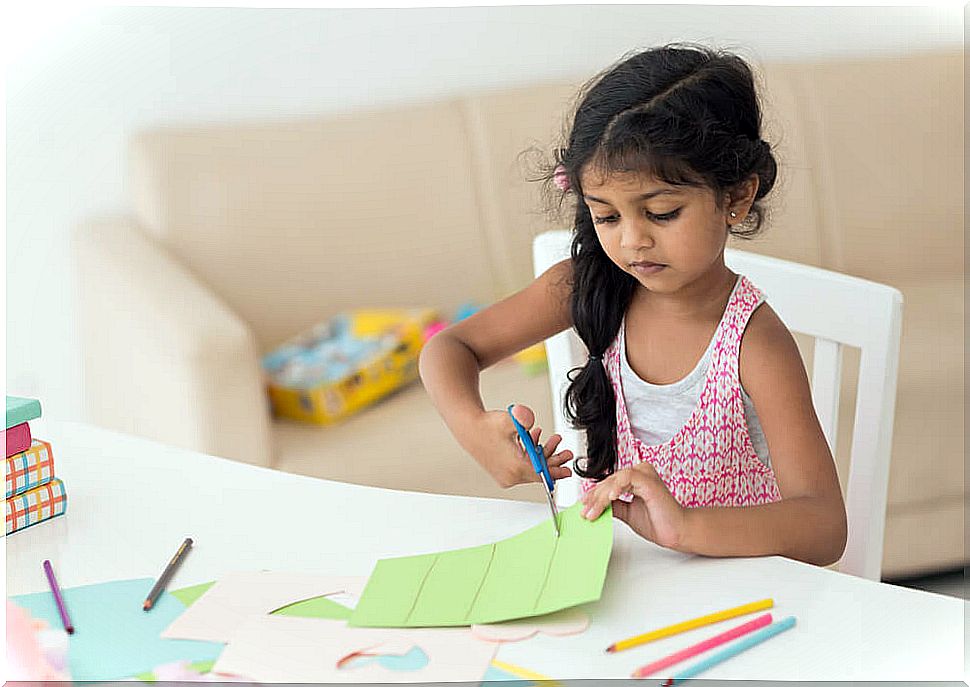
{"x":886,"y":136}
{"x":292,"y":221}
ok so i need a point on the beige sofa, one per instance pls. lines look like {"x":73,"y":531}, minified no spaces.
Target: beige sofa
{"x":245,"y":234}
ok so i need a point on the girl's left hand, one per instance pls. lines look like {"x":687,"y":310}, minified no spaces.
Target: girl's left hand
{"x":654,"y":513}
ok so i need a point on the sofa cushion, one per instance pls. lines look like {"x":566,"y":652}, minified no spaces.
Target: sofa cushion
{"x":402,"y":443}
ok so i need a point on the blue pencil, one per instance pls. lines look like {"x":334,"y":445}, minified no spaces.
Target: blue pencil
{"x":734,"y":650}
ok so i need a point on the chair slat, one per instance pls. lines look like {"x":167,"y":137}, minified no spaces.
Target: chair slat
{"x":826,"y":385}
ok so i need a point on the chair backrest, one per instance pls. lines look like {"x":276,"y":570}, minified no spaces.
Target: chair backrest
{"x":836,"y":310}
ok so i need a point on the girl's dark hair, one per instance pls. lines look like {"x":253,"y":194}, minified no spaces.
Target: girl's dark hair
{"x":687,"y":115}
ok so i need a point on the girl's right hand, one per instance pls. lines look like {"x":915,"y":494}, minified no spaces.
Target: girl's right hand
{"x":494,"y":443}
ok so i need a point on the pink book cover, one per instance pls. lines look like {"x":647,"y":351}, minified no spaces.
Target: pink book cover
{"x":18,"y":439}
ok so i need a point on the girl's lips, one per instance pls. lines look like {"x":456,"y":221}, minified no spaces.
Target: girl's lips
{"x":646,"y":267}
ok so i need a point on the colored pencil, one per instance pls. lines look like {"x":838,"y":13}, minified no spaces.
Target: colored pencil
{"x":519,"y":671}
{"x":733,"y":650}
{"x":58,"y":598}
{"x":701,"y":647}
{"x":166,"y":575}
{"x":691,"y":624}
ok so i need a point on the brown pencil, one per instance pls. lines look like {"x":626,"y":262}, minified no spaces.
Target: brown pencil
{"x":166,"y":575}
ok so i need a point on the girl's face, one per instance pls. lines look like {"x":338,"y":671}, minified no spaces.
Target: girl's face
{"x":665,"y":236}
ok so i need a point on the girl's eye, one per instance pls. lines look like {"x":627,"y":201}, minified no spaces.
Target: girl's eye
{"x":605,"y":220}
{"x":666,"y":217}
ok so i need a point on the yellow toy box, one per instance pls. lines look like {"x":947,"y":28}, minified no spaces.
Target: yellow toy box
{"x":346,"y":363}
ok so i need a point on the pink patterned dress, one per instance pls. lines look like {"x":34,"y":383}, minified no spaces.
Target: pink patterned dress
{"x":711,"y":460}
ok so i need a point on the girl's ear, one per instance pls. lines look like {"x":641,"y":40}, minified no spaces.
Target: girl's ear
{"x":742,"y":197}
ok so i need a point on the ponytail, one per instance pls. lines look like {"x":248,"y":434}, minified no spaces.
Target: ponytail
{"x":600,"y":296}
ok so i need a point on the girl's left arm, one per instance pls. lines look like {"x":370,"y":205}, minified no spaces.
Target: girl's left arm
{"x":809,"y":523}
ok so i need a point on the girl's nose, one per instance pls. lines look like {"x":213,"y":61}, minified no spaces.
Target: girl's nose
{"x":636,"y":233}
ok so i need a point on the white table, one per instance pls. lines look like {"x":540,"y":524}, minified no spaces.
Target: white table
{"x":131,"y":502}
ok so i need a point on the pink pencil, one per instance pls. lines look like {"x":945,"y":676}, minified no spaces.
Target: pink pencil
{"x":701,"y":647}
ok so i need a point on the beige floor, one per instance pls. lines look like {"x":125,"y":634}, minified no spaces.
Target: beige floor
{"x":402,"y":442}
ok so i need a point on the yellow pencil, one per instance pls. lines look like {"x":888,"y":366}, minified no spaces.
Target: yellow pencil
{"x":690,"y":625}
{"x":519,"y":671}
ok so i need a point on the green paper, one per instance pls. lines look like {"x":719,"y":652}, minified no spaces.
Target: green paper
{"x":317,"y":607}
{"x":532,"y":573}
{"x":189,"y":595}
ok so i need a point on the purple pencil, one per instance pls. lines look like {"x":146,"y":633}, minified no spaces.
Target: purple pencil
{"x":58,"y":599}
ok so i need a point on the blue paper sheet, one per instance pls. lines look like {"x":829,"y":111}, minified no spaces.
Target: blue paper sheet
{"x":113,"y":637}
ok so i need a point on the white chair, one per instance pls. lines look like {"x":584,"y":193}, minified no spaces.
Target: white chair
{"x":837,"y":310}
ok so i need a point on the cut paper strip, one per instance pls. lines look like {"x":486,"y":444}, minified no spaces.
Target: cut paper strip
{"x":189,"y":595}
{"x":114,"y":637}
{"x":412,"y":659}
{"x":346,"y":600}
{"x":293,"y":650}
{"x":333,"y":607}
{"x":571,"y":621}
{"x":239,"y":597}
{"x":530,"y":574}
{"x":320,"y":607}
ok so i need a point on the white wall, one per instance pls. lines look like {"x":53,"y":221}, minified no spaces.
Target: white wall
{"x":73,"y":100}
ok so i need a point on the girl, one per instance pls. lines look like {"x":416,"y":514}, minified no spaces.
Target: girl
{"x":700,"y":428}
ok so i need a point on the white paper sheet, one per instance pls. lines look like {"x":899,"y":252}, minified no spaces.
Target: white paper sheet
{"x":243,"y":596}
{"x":290,"y":649}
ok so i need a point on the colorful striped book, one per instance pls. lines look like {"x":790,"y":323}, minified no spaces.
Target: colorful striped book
{"x":28,"y":469}
{"x":21,"y":410}
{"x":34,"y":506}
{"x":18,"y":438}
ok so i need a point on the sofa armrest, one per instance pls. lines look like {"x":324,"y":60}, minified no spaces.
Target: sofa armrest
{"x":162,"y":356}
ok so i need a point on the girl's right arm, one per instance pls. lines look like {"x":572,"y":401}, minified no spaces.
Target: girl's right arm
{"x":452,"y":359}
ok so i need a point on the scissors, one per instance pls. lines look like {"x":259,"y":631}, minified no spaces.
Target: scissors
{"x":538,"y":458}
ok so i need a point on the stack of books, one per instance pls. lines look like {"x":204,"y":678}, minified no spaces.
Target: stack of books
{"x":33,"y":493}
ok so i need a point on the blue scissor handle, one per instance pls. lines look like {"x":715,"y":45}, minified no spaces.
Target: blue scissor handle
{"x":536,"y":454}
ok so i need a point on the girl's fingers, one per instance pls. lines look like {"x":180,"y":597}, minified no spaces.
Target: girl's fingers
{"x":597,"y":500}
{"x":559,"y":472}
{"x":551,"y":443}
{"x":559,"y":458}
{"x":625,"y":481}
{"x":524,"y":415}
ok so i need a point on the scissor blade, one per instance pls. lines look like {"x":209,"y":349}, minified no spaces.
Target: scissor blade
{"x":552,"y":507}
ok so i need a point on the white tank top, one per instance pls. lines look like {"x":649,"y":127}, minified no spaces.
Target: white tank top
{"x":658,"y":411}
